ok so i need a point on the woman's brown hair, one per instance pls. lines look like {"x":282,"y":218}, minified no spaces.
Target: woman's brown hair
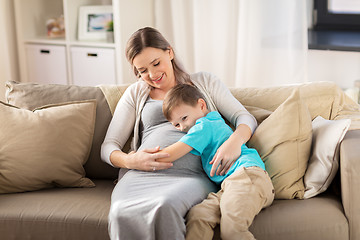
{"x":150,"y":37}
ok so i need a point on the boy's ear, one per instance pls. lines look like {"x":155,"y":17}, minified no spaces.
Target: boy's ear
{"x":202,"y":104}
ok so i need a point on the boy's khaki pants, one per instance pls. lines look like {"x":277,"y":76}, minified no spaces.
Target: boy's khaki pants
{"x":242,"y":196}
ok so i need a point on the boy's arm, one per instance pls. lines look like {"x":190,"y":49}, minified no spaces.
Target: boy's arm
{"x":176,"y":151}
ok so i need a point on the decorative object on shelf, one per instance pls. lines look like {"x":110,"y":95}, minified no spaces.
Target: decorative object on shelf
{"x":94,"y":21}
{"x":110,"y":32}
{"x":354,"y":92}
{"x":55,"y":27}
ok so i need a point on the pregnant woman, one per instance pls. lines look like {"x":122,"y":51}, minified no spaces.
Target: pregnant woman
{"x":151,"y":198}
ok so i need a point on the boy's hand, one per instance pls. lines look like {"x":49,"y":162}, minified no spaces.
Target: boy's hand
{"x":225,"y":157}
{"x":230,"y":150}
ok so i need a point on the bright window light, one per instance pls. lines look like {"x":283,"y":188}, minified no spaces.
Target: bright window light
{"x":344,"y":6}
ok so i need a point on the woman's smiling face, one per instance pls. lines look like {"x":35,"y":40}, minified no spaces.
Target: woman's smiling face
{"x":155,"y":67}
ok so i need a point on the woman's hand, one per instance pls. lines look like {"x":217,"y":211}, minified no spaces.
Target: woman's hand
{"x":144,"y":160}
{"x":230,"y":150}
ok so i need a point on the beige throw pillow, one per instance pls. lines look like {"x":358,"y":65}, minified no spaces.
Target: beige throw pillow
{"x":46,"y":147}
{"x":283,"y":141}
{"x":324,"y":160}
{"x":33,"y":95}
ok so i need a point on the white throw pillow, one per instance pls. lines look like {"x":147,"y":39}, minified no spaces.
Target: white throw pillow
{"x":324,"y":158}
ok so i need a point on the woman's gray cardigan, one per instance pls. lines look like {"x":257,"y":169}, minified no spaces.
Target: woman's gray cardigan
{"x":126,"y":117}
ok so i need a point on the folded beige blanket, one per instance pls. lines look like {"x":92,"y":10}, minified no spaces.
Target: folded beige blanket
{"x":113,"y":94}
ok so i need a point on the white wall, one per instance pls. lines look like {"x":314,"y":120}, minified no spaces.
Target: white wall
{"x":8,"y":54}
{"x":143,"y":11}
{"x":309,"y":11}
{"x":337,"y":66}
{"x":340,"y":67}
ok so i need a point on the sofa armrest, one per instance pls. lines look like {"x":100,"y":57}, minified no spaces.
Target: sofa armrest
{"x":350,"y":180}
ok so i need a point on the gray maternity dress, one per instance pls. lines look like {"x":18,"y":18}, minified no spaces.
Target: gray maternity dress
{"x":152,"y":205}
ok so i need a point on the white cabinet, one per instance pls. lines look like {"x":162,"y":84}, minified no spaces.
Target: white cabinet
{"x":93,"y":66}
{"x":46,"y":63}
{"x":31,"y":17}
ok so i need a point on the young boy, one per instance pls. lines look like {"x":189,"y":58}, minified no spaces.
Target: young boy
{"x":246,"y":187}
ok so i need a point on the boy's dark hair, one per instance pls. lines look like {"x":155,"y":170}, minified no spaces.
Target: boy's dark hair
{"x":180,"y":94}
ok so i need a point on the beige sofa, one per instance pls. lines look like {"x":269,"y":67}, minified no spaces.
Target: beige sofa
{"x":81,"y":213}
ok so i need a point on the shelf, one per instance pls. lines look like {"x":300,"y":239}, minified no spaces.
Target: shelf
{"x":62,"y":41}
{"x":334,"y":40}
{"x":46,"y":40}
{"x":31,"y":17}
{"x":101,"y":44}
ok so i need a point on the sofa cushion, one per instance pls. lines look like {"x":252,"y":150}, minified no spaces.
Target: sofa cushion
{"x":57,"y":214}
{"x":317,"y":218}
{"x":321,"y":217}
{"x":81,"y":213}
{"x":32,"y":95}
{"x":324,"y":160}
{"x":46,"y":147}
{"x":283,"y":141}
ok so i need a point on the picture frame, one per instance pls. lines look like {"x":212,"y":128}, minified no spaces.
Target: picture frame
{"x":93,"y":22}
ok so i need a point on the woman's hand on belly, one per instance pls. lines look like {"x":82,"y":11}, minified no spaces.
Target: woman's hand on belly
{"x":145,"y":160}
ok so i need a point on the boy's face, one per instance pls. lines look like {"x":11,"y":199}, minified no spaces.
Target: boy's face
{"x":184,"y":116}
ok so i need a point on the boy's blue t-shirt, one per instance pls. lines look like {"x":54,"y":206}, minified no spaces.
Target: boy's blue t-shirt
{"x":207,"y":135}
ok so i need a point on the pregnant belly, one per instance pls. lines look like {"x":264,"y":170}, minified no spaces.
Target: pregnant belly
{"x":164,"y":135}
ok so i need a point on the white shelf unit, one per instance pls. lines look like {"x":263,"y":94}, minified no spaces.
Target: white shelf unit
{"x":31,"y":17}
{"x":89,"y":68}
{"x":46,"y":63}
